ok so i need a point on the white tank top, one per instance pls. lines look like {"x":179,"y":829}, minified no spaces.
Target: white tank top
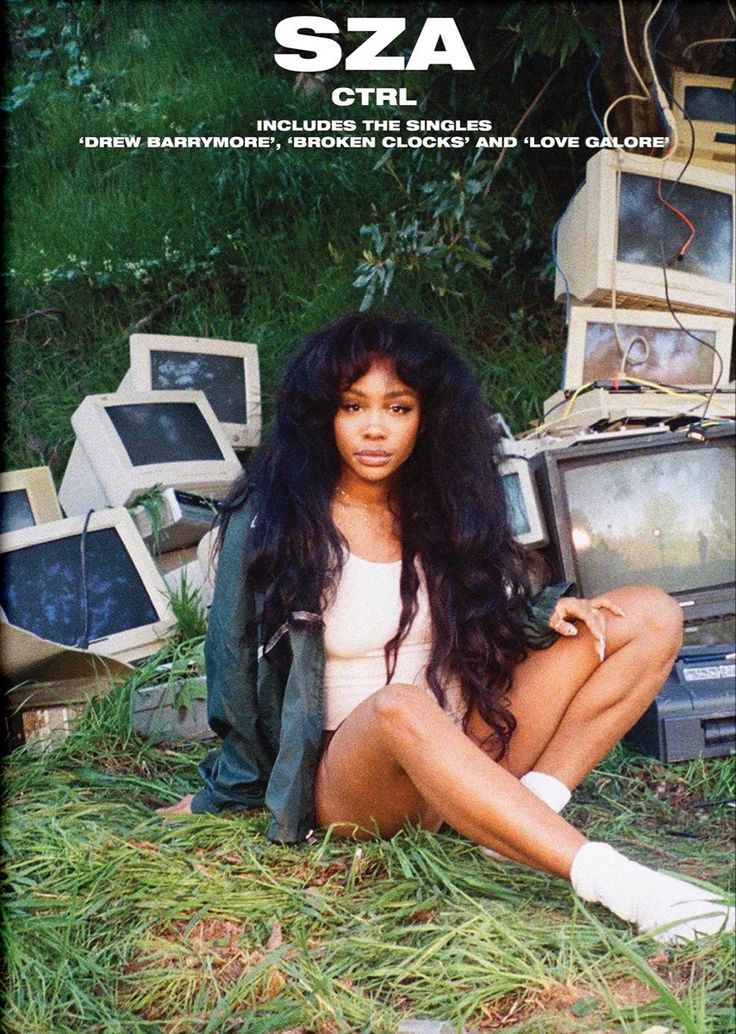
{"x":358,"y":622}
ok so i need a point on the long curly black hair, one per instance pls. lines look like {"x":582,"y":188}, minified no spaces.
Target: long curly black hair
{"x":448,"y":495}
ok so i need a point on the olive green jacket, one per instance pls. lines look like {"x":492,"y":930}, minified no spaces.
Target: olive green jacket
{"x":270,"y":716}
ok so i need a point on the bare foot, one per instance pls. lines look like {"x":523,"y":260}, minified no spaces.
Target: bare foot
{"x":182,"y":807}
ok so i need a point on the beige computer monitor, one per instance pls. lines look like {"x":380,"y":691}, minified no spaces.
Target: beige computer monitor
{"x":29,"y":498}
{"x":122,"y":451}
{"x":522,"y":499}
{"x":657,"y":346}
{"x":714,"y":144}
{"x":227,"y":372}
{"x":603,"y":245}
{"x":566,"y":410}
{"x":127,"y":609}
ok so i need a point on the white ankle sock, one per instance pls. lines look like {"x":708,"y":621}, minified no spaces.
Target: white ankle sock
{"x":648,"y":898}
{"x":548,"y":789}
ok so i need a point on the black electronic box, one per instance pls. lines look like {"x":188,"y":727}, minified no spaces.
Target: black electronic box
{"x":694,"y":714}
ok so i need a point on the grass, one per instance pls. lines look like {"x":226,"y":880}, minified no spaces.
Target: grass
{"x":119,"y":920}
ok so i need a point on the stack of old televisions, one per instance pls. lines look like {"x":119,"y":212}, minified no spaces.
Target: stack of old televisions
{"x":635,"y":463}
{"x":91,"y":569}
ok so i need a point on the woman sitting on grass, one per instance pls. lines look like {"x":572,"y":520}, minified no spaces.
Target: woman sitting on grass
{"x":373,"y":656}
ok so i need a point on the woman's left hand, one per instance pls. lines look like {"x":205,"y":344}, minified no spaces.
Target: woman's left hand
{"x":587,"y":611}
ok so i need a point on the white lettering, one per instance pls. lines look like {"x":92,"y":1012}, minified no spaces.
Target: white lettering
{"x":306,"y":34}
{"x":425,"y":53}
{"x":383,"y":31}
{"x":327,"y":52}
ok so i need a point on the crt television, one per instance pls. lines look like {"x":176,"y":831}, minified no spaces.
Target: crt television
{"x":618,"y":236}
{"x":96,"y":588}
{"x":128,"y":443}
{"x":705,"y":106}
{"x":226,"y":371}
{"x":27,"y":497}
{"x":650,"y":345}
{"x":654,"y":509}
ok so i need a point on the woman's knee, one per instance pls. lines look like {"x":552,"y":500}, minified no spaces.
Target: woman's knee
{"x":401,"y":709}
{"x":656,"y":616}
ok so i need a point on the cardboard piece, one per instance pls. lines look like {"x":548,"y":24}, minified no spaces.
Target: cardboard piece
{"x":156,"y":717}
{"x":36,"y":672}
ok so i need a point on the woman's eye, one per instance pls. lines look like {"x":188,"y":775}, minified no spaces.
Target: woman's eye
{"x":351,"y":407}
{"x":400,"y":409}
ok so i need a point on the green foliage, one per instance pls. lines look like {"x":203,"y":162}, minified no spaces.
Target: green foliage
{"x":190,"y":614}
{"x":153,"y":504}
{"x":49,"y":48}
{"x":552,"y":30}
{"x":448,"y":230}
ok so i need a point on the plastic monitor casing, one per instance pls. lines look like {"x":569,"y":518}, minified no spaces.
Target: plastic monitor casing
{"x":519,"y":465}
{"x":566,"y":411}
{"x":131,"y":644}
{"x":38,"y":484}
{"x":100,"y":472}
{"x":708,"y":149}
{"x":587,"y":242}
{"x":142,"y":346}
{"x":577,"y":371}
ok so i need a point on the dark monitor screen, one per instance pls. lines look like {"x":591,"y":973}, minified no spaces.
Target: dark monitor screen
{"x":663,"y":354}
{"x":518,"y":517}
{"x":710,"y":104}
{"x":648,"y":231}
{"x":42,"y":588}
{"x":663,"y":516}
{"x":164,"y":432}
{"x":220,"y":377}
{"x":15,"y":510}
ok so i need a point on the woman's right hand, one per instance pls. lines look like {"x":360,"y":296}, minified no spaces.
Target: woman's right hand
{"x":182,"y":807}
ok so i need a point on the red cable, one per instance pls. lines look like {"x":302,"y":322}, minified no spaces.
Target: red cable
{"x":680,"y":215}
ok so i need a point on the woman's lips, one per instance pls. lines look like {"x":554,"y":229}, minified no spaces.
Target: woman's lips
{"x":373,"y":458}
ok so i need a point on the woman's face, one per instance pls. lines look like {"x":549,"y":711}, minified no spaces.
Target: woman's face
{"x":376,"y":425}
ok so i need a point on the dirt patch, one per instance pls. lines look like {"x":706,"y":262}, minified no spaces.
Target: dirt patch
{"x":205,"y":959}
{"x":628,"y":991}
{"x":574,"y":1007}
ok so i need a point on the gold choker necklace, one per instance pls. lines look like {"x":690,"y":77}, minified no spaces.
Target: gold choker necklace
{"x":354,"y":504}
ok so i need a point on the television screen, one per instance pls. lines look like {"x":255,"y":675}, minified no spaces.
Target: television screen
{"x":164,"y":432}
{"x":710,"y":104}
{"x":664,"y":516}
{"x":42,"y":588}
{"x":518,"y":517}
{"x":15,"y":510}
{"x":650,"y":234}
{"x":220,"y":377}
{"x":661,"y":354}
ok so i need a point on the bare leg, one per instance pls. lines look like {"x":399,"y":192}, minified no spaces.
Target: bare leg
{"x":570,"y":708}
{"x":398,"y":758}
